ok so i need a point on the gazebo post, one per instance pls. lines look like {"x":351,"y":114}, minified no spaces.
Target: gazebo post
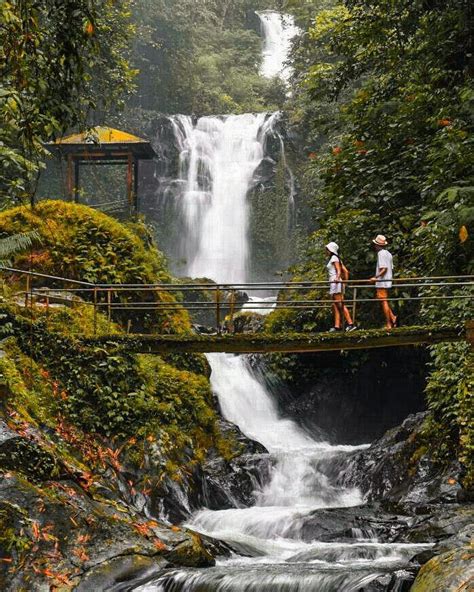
{"x":130,"y":182}
{"x":69,"y":177}
{"x":76,"y":180}
{"x":135,"y":186}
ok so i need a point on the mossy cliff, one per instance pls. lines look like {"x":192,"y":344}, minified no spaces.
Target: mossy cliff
{"x":92,"y":443}
{"x":80,"y":243}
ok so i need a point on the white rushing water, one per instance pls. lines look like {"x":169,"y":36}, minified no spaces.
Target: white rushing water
{"x":276,"y":554}
{"x":218,"y":160}
{"x":278,"y":32}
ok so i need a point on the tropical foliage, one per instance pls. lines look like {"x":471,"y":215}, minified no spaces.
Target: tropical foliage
{"x":201,"y":58}
{"x":384,"y":108}
{"x":59,"y":62}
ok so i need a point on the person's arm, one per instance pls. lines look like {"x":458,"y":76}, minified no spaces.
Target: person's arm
{"x":382,"y":272}
{"x":338,"y":268}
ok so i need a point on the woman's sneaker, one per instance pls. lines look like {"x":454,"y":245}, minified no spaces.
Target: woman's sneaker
{"x":334,"y":329}
{"x":351,"y":328}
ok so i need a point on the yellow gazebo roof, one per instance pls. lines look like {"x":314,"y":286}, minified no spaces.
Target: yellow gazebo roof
{"x":107,"y":139}
{"x":101,"y":135}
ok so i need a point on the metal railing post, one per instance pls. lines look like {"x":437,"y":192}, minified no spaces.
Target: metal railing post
{"x":218,"y":309}
{"x":95,"y":310}
{"x":231,"y":311}
{"x":354,"y":305}
{"x":109,"y":307}
{"x":27,"y":290}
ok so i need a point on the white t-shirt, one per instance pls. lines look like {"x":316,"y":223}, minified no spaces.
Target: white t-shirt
{"x":332,"y":272}
{"x":334,"y":287}
{"x":384,"y":259}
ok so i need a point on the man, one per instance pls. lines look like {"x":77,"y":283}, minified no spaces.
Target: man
{"x":383,"y":279}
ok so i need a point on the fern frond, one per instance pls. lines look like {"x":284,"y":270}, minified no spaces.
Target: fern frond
{"x":16,"y":243}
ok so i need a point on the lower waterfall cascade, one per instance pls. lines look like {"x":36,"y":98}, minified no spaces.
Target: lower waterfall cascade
{"x":276,"y":557}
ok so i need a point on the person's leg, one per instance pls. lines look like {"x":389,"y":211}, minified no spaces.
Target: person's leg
{"x":336,"y":307}
{"x":390,"y":318}
{"x":347,"y":316}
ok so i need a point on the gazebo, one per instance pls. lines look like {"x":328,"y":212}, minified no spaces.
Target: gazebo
{"x":102,"y":146}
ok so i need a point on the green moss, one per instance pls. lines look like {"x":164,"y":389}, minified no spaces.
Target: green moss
{"x":449,"y":571}
{"x":81,"y":243}
{"x":11,"y":539}
{"x":121,"y":395}
{"x":25,"y":386}
{"x":449,"y":430}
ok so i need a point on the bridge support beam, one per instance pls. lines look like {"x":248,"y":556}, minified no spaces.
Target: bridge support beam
{"x":292,"y":342}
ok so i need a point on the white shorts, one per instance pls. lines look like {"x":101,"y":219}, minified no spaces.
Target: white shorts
{"x":336,"y":288}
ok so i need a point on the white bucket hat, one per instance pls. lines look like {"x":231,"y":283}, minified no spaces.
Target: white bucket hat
{"x":380,"y":240}
{"x":333,"y":248}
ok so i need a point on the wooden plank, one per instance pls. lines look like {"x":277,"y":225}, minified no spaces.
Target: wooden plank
{"x":291,"y":343}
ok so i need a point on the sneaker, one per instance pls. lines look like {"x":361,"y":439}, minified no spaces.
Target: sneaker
{"x":334,"y":329}
{"x":351,"y":328}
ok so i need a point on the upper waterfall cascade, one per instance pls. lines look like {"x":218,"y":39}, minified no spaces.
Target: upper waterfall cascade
{"x":278,"y":32}
{"x":217,"y":163}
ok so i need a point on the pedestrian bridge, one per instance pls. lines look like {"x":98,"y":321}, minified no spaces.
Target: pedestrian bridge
{"x":287,"y":342}
{"x":216,"y":307}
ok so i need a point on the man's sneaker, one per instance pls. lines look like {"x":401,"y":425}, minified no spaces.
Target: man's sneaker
{"x":334,"y":329}
{"x":351,"y":328}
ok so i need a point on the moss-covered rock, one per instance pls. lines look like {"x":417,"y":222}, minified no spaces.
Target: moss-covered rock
{"x":449,"y":572}
{"x":84,"y":244}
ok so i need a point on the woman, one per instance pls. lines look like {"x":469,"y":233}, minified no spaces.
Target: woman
{"x":336,"y":289}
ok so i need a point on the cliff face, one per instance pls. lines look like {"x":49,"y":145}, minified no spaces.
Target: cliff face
{"x":349,"y":397}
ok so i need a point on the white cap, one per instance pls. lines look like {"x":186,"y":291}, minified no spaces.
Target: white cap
{"x":333,"y":248}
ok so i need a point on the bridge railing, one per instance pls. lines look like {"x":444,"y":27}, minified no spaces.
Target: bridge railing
{"x":222,"y":301}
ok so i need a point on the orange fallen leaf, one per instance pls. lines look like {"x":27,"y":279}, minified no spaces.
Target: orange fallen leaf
{"x":81,"y":554}
{"x":159,"y":545}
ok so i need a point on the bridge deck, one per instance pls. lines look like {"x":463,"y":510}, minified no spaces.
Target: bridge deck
{"x":288,"y":342}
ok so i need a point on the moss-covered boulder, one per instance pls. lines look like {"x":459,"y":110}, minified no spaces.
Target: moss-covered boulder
{"x":450,"y":572}
{"x":81,"y":243}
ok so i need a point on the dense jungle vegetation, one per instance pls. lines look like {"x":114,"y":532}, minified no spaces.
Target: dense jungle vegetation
{"x":385,"y":105}
{"x":382,"y":106}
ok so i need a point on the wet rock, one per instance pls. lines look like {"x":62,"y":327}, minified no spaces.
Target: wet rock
{"x":120,"y":573}
{"x":232,"y":484}
{"x":442,"y":523}
{"x":246,"y":446}
{"x":25,"y":455}
{"x":191,"y":553}
{"x":449,"y":572}
{"x":246,"y":322}
{"x":397,"y":468}
{"x":325,"y":393}
{"x":70,"y":534}
{"x":343,"y":524}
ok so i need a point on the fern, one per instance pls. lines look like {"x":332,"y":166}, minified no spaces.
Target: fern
{"x":16,"y":243}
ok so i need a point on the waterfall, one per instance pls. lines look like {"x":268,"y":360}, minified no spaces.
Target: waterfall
{"x":278,"y":31}
{"x":217,"y":163}
{"x":218,"y":160}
